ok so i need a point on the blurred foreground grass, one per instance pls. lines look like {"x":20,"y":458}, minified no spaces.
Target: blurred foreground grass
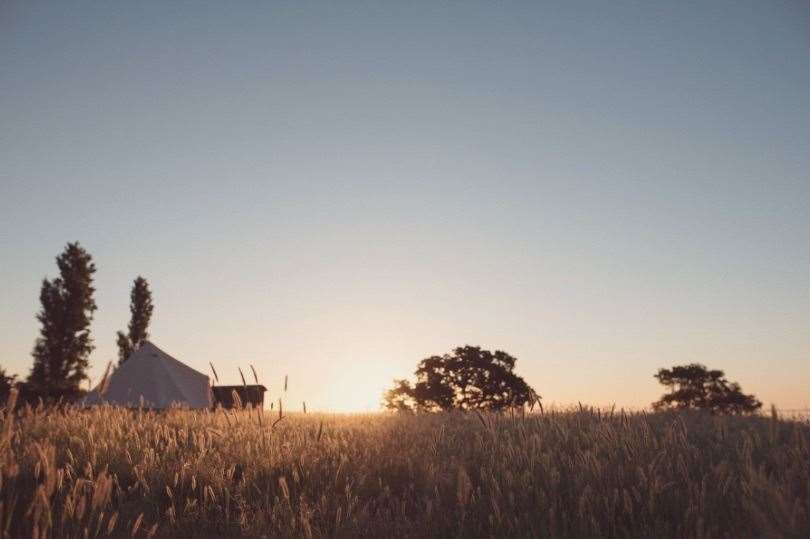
{"x":112,"y":472}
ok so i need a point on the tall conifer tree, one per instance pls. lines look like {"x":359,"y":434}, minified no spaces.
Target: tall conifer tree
{"x":62,"y":350}
{"x":140,"y":308}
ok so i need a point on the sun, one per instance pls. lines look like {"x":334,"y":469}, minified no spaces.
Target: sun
{"x":349,"y":393}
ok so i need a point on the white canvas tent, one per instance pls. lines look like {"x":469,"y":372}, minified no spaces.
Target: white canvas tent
{"x":152,"y":378}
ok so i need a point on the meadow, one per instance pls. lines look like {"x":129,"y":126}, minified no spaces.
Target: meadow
{"x":108,"y":472}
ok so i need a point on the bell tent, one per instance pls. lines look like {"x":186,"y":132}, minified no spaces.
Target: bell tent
{"x":153,"y":379}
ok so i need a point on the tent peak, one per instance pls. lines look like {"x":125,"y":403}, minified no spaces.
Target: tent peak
{"x":156,"y":377}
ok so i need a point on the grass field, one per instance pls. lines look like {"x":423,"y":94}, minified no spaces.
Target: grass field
{"x":110,"y":472}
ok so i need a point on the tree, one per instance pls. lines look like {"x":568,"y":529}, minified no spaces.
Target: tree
{"x":140,"y":308}
{"x":400,"y":397}
{"x":61,"y":351}
{"x":468,"y":378}
{"x":6,"y":383}
{"x":694,"y":386}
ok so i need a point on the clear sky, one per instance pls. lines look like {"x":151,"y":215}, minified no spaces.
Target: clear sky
{"x":336,"y":190}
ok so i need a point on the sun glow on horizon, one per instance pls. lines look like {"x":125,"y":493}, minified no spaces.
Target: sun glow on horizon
{"x":349,"y":394}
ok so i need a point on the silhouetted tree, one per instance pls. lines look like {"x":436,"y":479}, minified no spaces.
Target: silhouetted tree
{"x":140,"y":308}
{"x":468,"y":378}
{"x":694,"y":386}
{"x":400,"y":397}
{"x":61,"y":351}
{"x":6,"y":383}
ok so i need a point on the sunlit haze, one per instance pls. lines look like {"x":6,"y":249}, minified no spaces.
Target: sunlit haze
{"x":334,"y":191}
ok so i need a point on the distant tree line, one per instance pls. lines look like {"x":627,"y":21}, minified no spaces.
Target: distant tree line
{"x":468,"y":378}
{"x":61,"y":352}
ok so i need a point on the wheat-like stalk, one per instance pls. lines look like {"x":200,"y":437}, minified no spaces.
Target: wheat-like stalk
{"x":583,"y":472}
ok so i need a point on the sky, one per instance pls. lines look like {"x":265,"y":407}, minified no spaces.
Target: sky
{"x":336,"y":190}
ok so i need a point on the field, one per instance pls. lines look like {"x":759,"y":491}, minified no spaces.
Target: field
{"x":581,"y":473}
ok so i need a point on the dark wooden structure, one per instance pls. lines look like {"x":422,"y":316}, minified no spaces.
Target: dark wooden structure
{"x":252,"y":395}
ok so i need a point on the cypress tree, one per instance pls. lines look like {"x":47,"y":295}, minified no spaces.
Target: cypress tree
{"x":140,"y":308}
{"x":62,"y":350}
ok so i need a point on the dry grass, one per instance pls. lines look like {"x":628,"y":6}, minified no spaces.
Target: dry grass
{"x":112,"y":472}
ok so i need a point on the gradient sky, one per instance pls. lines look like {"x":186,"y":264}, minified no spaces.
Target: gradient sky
{"x":336,"y":190}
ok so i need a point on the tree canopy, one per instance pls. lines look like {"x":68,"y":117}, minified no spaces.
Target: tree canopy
{"x":695,"y":386}
{"x":140,"y":308}
{"x":61,"y":351}
{"x":468,"y":378}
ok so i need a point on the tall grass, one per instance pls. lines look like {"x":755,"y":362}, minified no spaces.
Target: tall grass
{"x":112,"y":472}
